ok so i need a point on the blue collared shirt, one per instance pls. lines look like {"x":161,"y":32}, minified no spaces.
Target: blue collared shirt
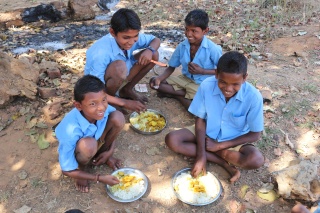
{"x":226,"y":121}
{"x":106,"y":50}
{"x":206,"y":57}
{"x":71,"y":129}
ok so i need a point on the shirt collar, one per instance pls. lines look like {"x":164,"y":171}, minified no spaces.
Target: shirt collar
{"x":115,"y":47}
{"x":84,"y":123}
{"x":204,"y":43}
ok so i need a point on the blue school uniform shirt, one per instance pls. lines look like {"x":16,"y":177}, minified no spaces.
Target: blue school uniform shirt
{"x":106,"y":50}
{"x":71,"y":129}
{"x":206,"y":57}
{"x":226,"y":121}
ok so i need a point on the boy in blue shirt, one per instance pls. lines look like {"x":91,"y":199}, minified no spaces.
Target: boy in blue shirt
{"x":87,"y":134}
{"x":229,"y":118}
{"x":112,"y":60}
{"x":198,"y":56}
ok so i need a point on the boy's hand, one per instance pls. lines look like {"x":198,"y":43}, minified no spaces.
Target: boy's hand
{"x":102,"y":158}
{"x":136,"y":106}
{"x":195,"y":68}
{"x":145,"y":57}
{"x":199,"y":166}
{"x":212,"y":145}
{"x":109,"y":179}
{"x":154,"y":82}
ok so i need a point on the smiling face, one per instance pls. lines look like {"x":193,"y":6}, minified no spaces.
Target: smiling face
{"x":93,"y":106}
{"x":125,"y":39}
{"x":230,"y":83}
{"x":194,"y":34}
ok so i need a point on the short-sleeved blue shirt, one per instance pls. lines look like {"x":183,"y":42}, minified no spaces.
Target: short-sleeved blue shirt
{"x":206,"y":57}
{"x":106,"y":50}
{"x":71,"y":129}
{"x":226,"y":121}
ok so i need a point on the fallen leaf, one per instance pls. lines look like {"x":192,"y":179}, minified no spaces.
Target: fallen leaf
{"x":287,"y":140}
{"x":270,"y":196}
{"x":266,"y":187}
{"x":243,"y":190}
{"x":41,"y":125}
{"x":42,"y":142}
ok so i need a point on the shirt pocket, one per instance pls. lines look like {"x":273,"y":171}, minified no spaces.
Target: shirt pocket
{"x":238,"y":122}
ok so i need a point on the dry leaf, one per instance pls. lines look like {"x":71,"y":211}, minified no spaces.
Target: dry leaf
{"x":287,"y":140}
{"x":42,"y":142}
{"x":270,"y":196}
{"x":243,"y":190}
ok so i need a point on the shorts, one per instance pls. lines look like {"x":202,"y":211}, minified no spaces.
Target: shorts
{"x":182,"y":82}
{"x":235,"y":148}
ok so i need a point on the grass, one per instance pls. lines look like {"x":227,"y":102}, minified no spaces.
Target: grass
{"x":267,"y":139}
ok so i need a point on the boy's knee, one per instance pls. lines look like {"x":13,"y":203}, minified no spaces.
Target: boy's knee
{"x":256,"y":161}
{"x":117,"y":69}
{"x":117,"y":119}
{"x":85,"y":150}
{"x":170,"y":140}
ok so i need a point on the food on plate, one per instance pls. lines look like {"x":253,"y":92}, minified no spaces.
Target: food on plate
{"x":130,"y":186}
{"x":148,"y":121}
{"x":200,"y":190}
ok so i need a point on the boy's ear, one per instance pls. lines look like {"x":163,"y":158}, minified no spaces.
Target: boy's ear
{"x":111,"y":31}
{"x":245,"y":77}
{"x":206,"y":30}
{"x":77,"y":105}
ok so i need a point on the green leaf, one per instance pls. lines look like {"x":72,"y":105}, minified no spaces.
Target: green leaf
{"x":270,"y":196}
{"x":42,"y":142}
{"x":31,"y":132}
{"x":42,"y":125}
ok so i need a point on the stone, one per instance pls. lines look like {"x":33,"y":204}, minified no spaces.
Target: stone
{"x":266,"y":95}
{"x":14,"y":23}
{"x":52,"y":110}
{"x":82,"y":10}
{"x":53,"y":73}
{"x":300,"y":181}
{"x":12,"y":71}
{"x":46,"y":92}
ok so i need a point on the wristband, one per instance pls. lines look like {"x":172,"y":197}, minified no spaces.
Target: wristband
{"x":151,"y":48}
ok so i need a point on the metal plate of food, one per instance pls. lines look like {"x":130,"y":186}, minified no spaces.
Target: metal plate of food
{"x":199,"y":191}
{"x":150,"y":122}
{"x":133,"y":185}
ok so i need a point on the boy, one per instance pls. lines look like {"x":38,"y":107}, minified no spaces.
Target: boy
{"x":112,"y":60}
{"x":88,"y":132}
{"x":229,"y":117}
{"x":198,"y":56}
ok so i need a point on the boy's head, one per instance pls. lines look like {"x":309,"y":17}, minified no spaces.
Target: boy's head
{"x":90,"y":98}
{"x":125,"y":26}
{"x":197,"y":18}
{"x":196,"y":26}
{"x":231,"y":73}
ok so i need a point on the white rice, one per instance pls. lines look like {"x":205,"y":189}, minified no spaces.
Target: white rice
{"x":182,"y":187}
{"x":130,"y":192}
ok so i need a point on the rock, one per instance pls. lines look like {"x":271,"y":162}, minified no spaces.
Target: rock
{"x":14,"y":70}
{"x":22,"y":175}
{"x":266,"y":95}
{"x":300,"y":181}
{"x":82,"y":10}
{"x":14,"y":23}
{"x":52,"y":110}
{"x":23,"y":209}
{"x":54,"y":72}
{"x":45,"y":92}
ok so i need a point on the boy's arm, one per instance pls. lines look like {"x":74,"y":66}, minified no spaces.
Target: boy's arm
{"x":146,"y":55}
{"x":201,"y":158}
{"x":155,"y":81}
{"x":82,"y":175}
{"x":194,"y":68}
{"x":249,"y":137}
{"x":132,"y":105}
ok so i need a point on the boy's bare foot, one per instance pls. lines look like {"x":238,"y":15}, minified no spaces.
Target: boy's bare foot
{"x":114,"y":163}
{"x":130,"y":94}
{"x":82,"y":185}
{"x":234,"y":172}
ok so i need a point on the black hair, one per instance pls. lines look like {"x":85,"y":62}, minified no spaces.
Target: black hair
{"x":86,"y":84}
{"x":197,"y":18}
{"x":232,"y":62}
{"x":125,"y":19}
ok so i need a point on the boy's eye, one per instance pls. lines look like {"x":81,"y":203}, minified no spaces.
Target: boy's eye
{"x":92,"y":104}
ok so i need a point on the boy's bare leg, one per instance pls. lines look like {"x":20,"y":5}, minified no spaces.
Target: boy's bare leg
{"x":248,"y":157}
{"x":299,"y":208}
{"x":184,"y":142}
{"x":137,"y":72}
{"x":114,"y":126}
{"x":85,"y":150}
{"x":167,"y":90}
{"x":115,"y":74}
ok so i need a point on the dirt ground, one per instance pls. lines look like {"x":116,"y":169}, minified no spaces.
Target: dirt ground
{"x":32,"y":177}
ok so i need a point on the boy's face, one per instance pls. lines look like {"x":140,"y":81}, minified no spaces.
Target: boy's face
{"x":93,"y":106}
{"x":125,"y":39}
{"x":230,"y":83}
{"x":194,"y":34}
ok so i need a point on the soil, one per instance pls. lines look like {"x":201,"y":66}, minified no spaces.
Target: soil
{"x":32,"y":177}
